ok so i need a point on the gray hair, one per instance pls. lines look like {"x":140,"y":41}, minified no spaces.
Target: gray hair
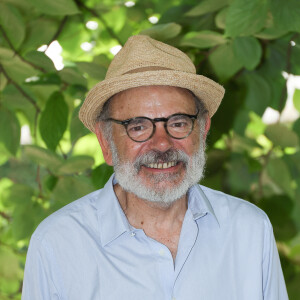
{"x":106,"y":114}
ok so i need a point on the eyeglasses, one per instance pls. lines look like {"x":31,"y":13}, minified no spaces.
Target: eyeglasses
{"x":141,"y":129}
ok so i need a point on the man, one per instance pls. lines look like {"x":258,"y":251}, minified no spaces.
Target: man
{"x":152,"y":232}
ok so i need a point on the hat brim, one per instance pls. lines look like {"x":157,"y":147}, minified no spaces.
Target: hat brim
{"x":210,"y":92}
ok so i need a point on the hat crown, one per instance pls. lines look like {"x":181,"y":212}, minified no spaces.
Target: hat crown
{"x":141,"y":53}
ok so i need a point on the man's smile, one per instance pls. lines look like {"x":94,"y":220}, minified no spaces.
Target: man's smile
{"x":164,"y":165}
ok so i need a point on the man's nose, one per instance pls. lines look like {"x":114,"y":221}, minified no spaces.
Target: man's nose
{"x":160,"y":140}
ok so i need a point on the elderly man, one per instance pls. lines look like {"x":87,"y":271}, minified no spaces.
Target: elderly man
{"x":152,"y":232}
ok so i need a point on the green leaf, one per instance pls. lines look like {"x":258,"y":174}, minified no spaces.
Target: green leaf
{"x":50,"y":182}
{"x":6,"y":54}
{"x":220,"y":18}
{"x":77,"y":129}
{"x":21,"y":229}
{"x":72,"y":76}
{"x":286,"y":16}
{"x":241,"y":121}
{"x":280,"y":175}
{"x":270,"y":33}
{"x":19,"y":171}
{"x":15,"y":101}
{"x":116,"y":18}
{"x":163,"y":32}
{"x":246,"y":17}
{"x":241,"y":144}
{"x":216,"y":159}
{"x":70,"y":188}
{"x":44,"y":157}
{"x":207,"y":6}
{"x":94,"y":70}
{"x":40,"y":59}
{"x":240,"y":177}
{"x":10,"y":265}
{"x":296,"y":127}
{"x":248,"y":51}
{"x":20,"y":196}
{"x":17,"y":69}
{"x":175,"y":12}
{"x":203,"y":39}
{"x":101,"y":174}
{"x":224,"y":63}
{"x":9,"y":130}
{"x":40,"y":31}
{"x":296,"y":99}
{"x":258,"y":93}
{"x":3,"y":81}
{"x":279,"y":208}
{"x":76,"y":164}
{"x":61,"y":7}
{"x":54,"y":120}
{"x":280,"y":135}
{"x":12,"y":23}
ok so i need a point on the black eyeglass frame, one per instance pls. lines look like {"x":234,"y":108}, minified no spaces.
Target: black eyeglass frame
{"x":125,"y":123}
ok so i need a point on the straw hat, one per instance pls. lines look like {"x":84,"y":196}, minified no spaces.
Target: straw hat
{"x":144,"y":61}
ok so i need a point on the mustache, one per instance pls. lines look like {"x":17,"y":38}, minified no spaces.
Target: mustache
{"x":155,"y":156}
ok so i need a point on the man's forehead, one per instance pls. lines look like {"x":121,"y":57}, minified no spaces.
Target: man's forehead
{"x":144,"y":93}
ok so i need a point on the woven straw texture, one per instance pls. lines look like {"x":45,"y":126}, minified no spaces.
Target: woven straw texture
{"x":143,"y":62}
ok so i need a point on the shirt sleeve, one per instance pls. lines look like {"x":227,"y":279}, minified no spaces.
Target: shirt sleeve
{"x":38,"y":283}
{"x":273,"y":281}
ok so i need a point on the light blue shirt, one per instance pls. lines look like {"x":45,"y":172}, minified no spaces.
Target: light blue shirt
{"x":88,"y":251}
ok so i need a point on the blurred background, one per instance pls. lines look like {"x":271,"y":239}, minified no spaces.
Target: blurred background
{"x":53,"y":51}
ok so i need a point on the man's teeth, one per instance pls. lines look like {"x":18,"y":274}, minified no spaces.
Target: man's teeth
{"x":162,"y":165}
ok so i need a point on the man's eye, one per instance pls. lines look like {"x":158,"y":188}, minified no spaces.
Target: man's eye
{"x":137,"y":128}
{"x":178,"y":124}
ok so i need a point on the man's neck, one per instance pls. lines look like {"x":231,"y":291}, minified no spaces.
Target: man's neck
{"x":162,"y":223}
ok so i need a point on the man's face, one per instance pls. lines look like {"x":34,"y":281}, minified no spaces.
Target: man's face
{"x":162,"y":168}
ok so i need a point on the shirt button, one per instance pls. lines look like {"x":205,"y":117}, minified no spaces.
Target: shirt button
{"x":132,"y":234}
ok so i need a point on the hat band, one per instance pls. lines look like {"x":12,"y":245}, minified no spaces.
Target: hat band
{"x":145,"y":69}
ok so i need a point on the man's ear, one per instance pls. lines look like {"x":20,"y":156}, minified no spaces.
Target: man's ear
{"x":103,"y":144}
{"x":207,"y":126}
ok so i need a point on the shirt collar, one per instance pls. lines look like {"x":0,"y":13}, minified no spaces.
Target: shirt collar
{"x":113,"y":222}
{"x":199,"y":204}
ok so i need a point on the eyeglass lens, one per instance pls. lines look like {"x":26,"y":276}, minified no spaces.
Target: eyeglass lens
{"x":140,"y":129}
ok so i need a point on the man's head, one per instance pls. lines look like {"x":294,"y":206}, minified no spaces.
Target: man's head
{"x":162,"y":157}
{"x":162,"y":168}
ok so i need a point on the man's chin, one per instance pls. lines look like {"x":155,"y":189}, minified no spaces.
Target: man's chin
{"x":161,"y":191}
{"x":160,"y":178}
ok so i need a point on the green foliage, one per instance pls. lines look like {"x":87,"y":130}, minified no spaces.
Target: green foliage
{"x":203,"y":39}
{"x":245,"y":18}
{"x":163,"y":32}
{"x":54,"y":119}
{"x":245,"y":45}
{"x":248,"y":51}
{"x":296,"y":99}
{"x":9,"y":130}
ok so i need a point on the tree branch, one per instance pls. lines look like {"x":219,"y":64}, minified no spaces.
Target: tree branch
{"x":5,"y":216}
{"x":94,"y":13}
{"x":17,"y":53}
{"x":59,"y":30}
{"x":38,"y":180}
{"x":29,"y":98}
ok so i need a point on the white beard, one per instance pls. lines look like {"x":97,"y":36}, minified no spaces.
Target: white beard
{"x":127,"y":175}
